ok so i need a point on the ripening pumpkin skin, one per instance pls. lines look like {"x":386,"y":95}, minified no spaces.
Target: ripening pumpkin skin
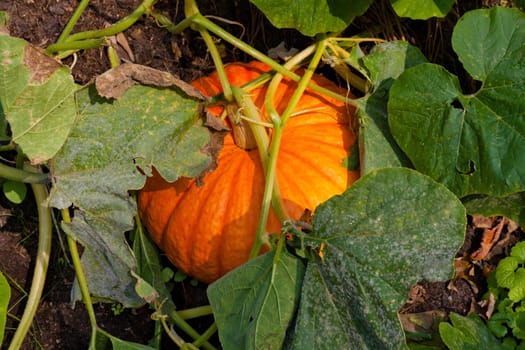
{"x":209,"y":230}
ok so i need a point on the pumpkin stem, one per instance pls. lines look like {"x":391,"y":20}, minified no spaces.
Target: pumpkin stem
{"x":242,"y":133}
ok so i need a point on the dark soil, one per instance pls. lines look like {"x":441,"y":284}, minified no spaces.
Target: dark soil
{"x":58,"y":324}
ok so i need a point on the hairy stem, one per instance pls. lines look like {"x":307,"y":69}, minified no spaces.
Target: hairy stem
{"x":279,"y":123}
{"x":275,"y":201}
{"x":212,"y":27}
{"x":114,"y":29}
{"x":191,"y":9}
{"x":263,"y":142}
{"x":73,"y":20}
{"x":45,"y":226}
{"x":14,"y":174}
{"x":203,"y":22}
{"x":338,"y":56}
{"x":81,"y":278}
{"x":195,"y":312}
{"x":206,"y":335}
{"x":189,"y":330}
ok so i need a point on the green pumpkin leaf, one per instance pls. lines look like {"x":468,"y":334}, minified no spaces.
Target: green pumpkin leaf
{"x":517,"y":291}
{"x":518,"y":329}
{"x":472,"y":143}
{"x":145,"y":290}
{"x":14,"y":191}
{"x":511,"y":206}
{"x":373,"y":236}
{"x":498,"y":324}
{"x":146,"y":126}
{"x":150,"y":270}
{"x":467,"y":333}
{"x":518,"y":251}
{"x":106,"y":260}
{"x":254,"y":304}
{"x":103,"y":340}
{"x":383,"y":65}
{"x":505,"y":271}
{"x":36,"y":98}
{"x":312,"y":17}
{"x":422,"y":9}
{"x":5,"y":295}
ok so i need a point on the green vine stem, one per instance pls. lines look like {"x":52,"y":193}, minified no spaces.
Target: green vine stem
{"x":114,"y":60}
{"x":190,"y":9}
{"x":279,"y":123}
{"x":195,"y":312}
{"x":189,"y":330}
{"x":118,"y":27}
{"x":73,"y":20}
{"x":212,"y":27}
{"x":67,"y":48}
{"x":157,"y":335}
{"x":45,"y":226}
{"x":337,"y":58}
{"x":263,"y":144}
{"x":11,"y":146}
{"x":14,"y":174}
{"x":198,"y":19}
{"x":206,"y":335}
{"x":81,"y":278}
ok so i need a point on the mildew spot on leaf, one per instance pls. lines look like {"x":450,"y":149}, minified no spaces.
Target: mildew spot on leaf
{"x":373,"y":235}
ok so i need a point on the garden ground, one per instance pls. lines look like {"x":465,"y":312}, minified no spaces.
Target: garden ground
{"x":58,"y":324}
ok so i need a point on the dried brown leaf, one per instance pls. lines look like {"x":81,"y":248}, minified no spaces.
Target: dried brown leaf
{"x":422,"y":322}
{"x":40,"y":65}
{"x":481,"y":221}
{"x":489,"y":239}
{"x":113,"y":83}
{"x":217,"y":130}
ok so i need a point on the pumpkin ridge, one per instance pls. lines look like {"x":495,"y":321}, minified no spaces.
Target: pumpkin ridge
{"x":210,"y":230}
{"x":168,"y":229}
{"x":255,"y":188}
{"x":221,"y":244}
{"x":216,"y":254}
{"x":325,"y":175}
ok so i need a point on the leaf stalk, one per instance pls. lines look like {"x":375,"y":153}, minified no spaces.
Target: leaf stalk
{"x":45,"y":226}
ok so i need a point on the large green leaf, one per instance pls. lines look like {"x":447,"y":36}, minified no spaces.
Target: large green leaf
{"x":254,"y":304}
{"x":468,"y":333}
{"x":312,"y":17}
{"x":473,"y":143}
{"x":392,"y":228}
{"x":5,"y":295}
{"x":97,"y":166}
{"x":36,"y":98}
{"x":149,"y":268}
{"x":103,"y":340}
{"x":422,"y":9}
{"x":383,"y":65}
{"x":511,"y":206}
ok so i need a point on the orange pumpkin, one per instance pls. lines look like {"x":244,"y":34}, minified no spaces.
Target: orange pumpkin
{"x":209,"y":230}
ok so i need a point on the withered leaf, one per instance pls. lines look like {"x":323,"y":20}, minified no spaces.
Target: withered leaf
{"x":39,"y":64}
{"x":114,"y":82}
{"x":217,"y":130}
